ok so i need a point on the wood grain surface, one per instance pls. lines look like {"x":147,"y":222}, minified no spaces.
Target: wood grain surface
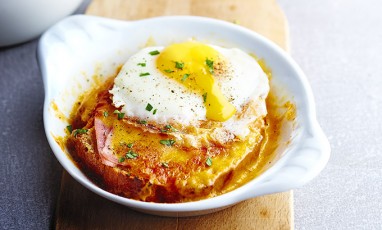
{"x":262,"y":16}
{"x":78,"y":208}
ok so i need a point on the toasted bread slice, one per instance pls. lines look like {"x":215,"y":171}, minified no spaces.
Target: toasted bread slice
{"x":144,"y":161}
{"x":115,"y":179}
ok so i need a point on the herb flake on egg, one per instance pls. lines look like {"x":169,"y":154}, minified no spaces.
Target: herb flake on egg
{"x":154,"y":52}
{"x":204,"y":97}
{"x":210,"y":65}
{"x":144,"y":74}
{"x":185,"y":76}
{"x":179,"y":65}
{"x":149,"y":107}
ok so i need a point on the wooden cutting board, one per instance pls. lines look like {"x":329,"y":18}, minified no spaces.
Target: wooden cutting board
{"x":78,"y":208}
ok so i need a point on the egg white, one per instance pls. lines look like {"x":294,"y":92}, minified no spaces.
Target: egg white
{"x":244,"y":82}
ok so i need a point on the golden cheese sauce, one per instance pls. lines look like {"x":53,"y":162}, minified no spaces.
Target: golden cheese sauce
{"x":228,"y":173}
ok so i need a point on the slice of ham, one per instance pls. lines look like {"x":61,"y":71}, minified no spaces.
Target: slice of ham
{"x":104,"y":135}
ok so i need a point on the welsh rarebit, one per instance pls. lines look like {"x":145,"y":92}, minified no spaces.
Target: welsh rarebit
{"x":134,"y":146}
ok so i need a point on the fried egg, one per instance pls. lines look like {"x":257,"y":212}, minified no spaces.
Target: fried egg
{"x":189,"y":82}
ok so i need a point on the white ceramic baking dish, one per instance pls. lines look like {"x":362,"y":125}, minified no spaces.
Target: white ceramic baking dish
{"x":78,"y":47}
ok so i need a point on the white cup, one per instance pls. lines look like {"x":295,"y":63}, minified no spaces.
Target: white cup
{"x":22,"y":20}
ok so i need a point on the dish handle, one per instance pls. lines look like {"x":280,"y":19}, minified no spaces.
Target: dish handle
{"x":298,"y":166}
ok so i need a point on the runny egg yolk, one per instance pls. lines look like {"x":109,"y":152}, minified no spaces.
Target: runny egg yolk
{"x":192,"y":64}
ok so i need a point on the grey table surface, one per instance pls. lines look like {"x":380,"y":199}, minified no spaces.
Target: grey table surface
{"x":338,"y":44}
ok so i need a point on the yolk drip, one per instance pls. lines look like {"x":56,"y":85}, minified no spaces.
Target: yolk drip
{"x":192,"y":64}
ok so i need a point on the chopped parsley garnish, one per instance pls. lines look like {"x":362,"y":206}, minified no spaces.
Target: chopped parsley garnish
{"x":185,"y":76}
{"x":120,"y":115}
{"x":143,"y":122}
{"x":121,"y":159}
{"x":130,"y":145}
{"x":105,"y":114}
{"x":209,"y":161}
{"x":204,"y":97}
{"x":154,"y":52}
{"x":149,"y":107}
{"x":168,"y":71}
{"x":144,"y":74}
{"x":168,"y":142}
{"x":69,"y":128}
{"x":165,"y":164}
{"x":179,"y":65}
{"x":80,"y":131}
{"x":168,"y":128}
{"x":210,"y":65}
{"x":155,"y":111}
{"x":142,"y":64}
{"x":131,"y":155}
